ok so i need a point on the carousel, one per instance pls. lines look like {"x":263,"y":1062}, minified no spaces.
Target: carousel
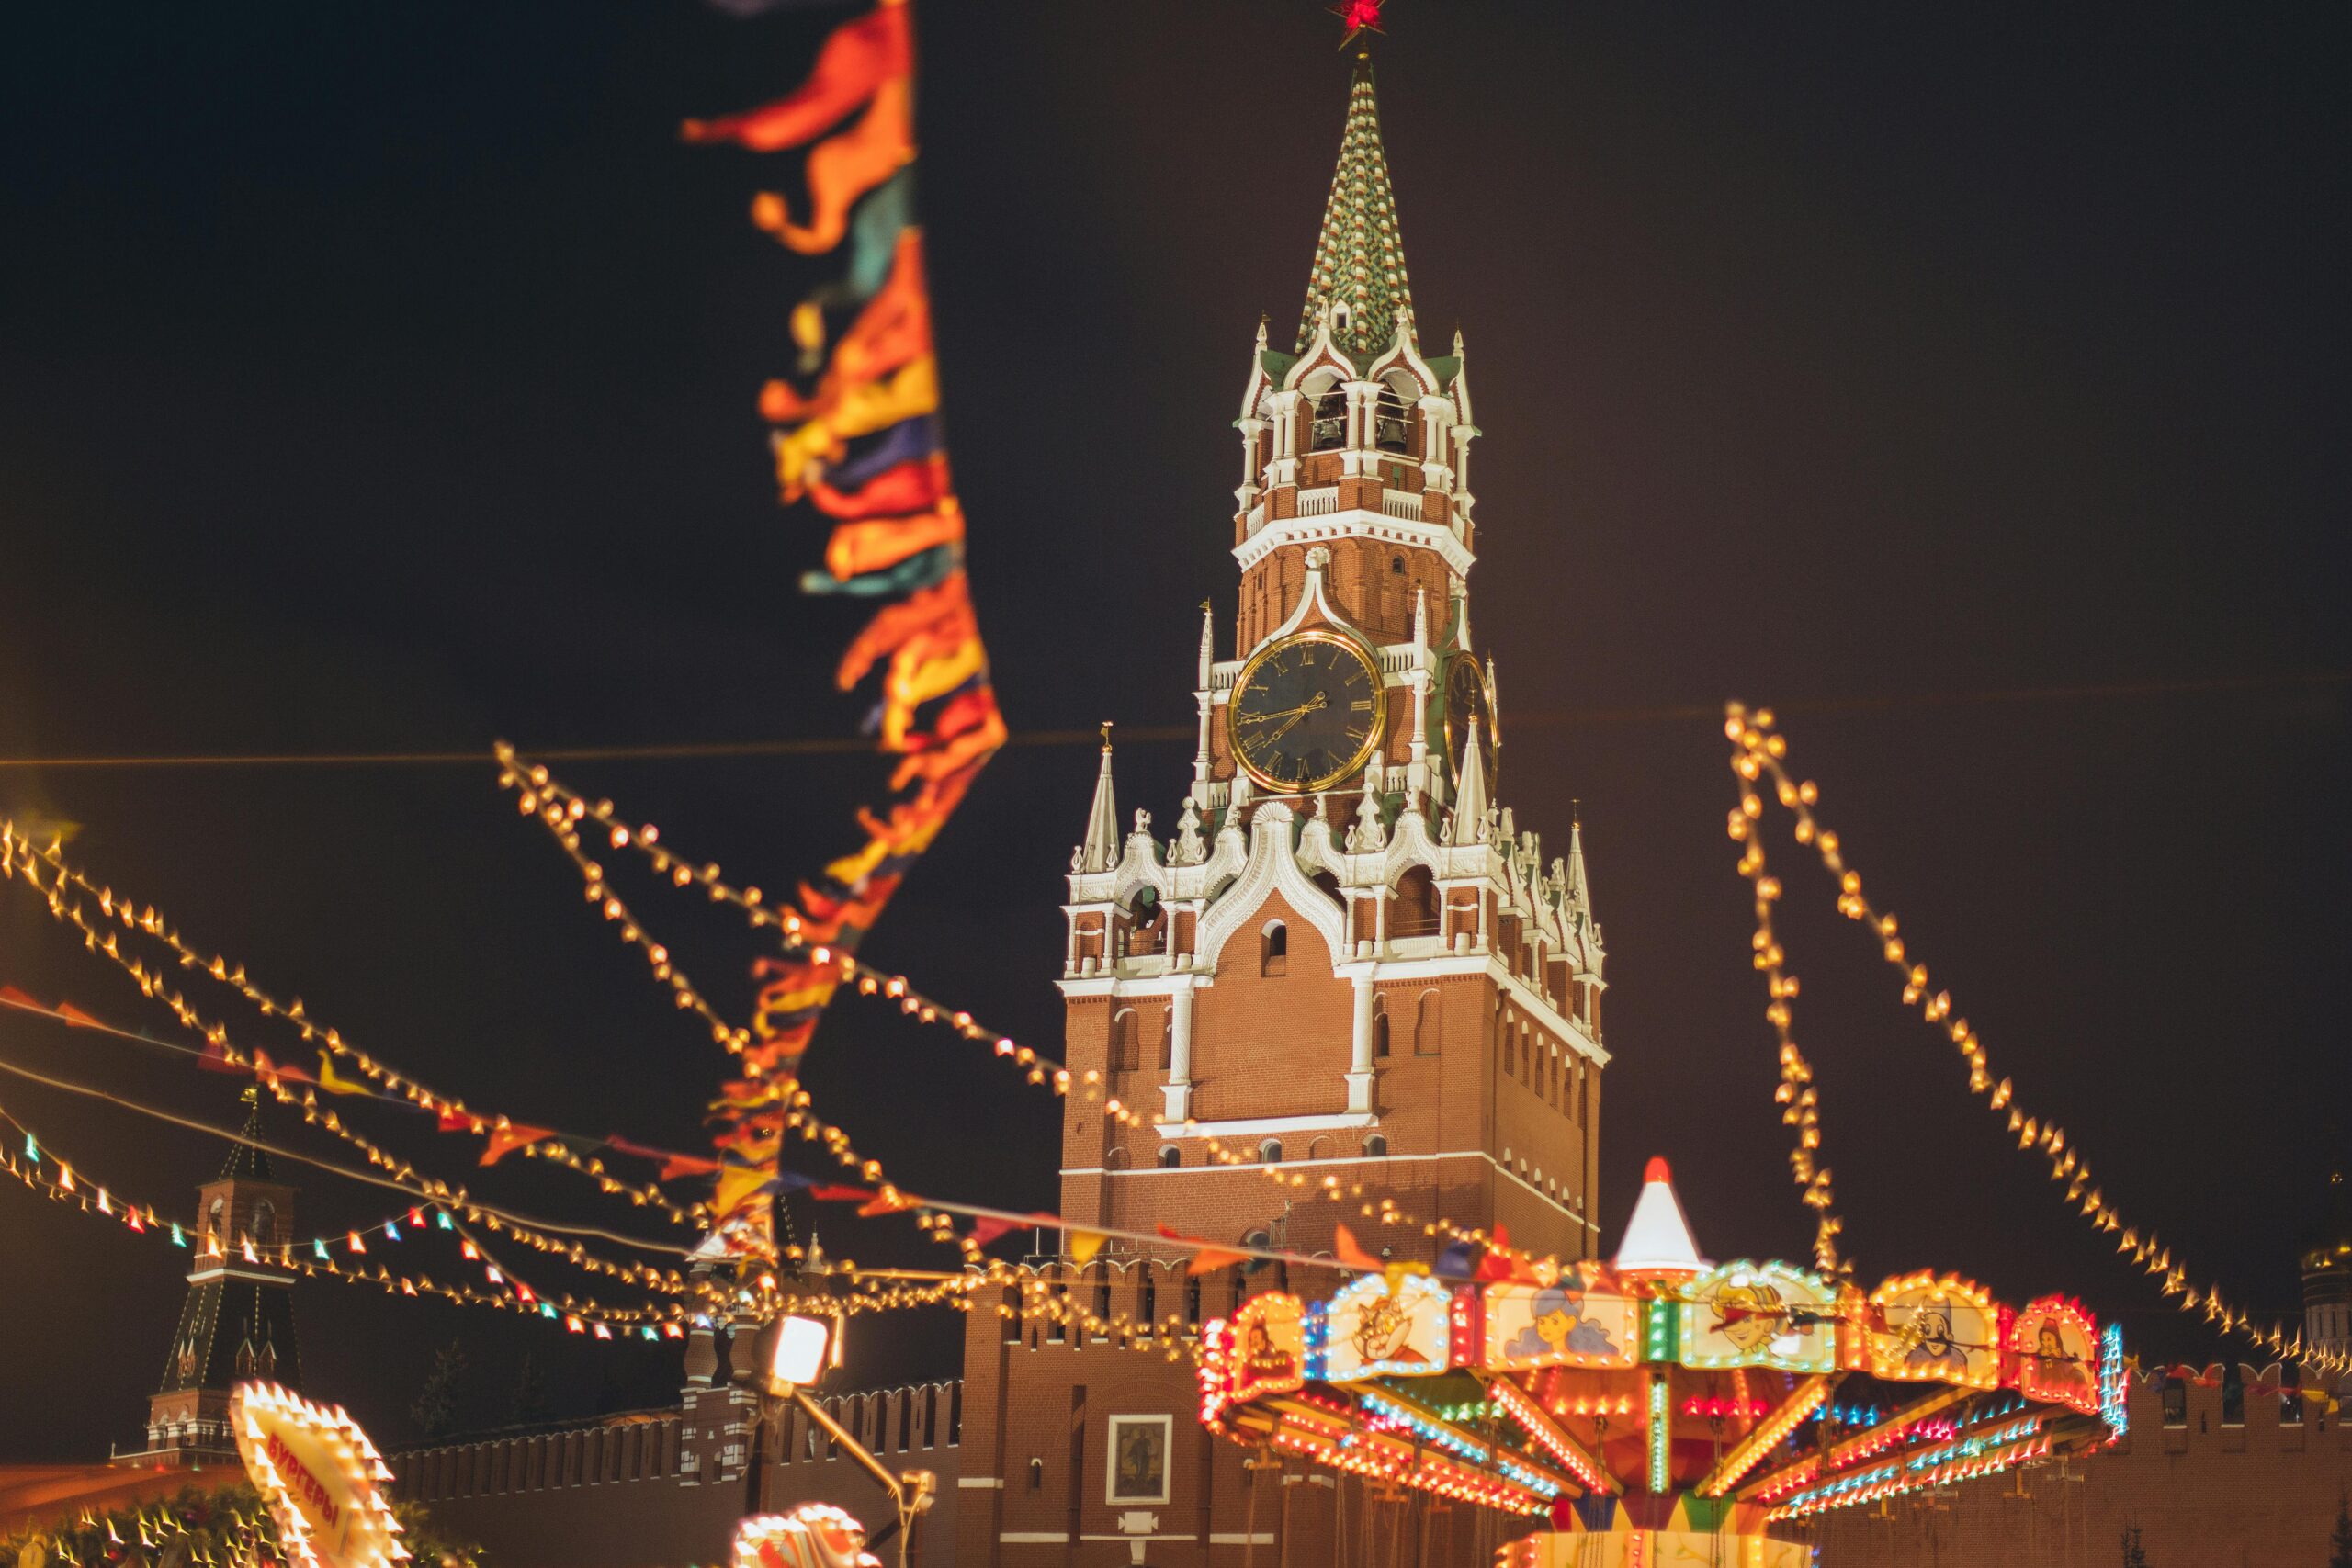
{"x":1662,"y":1408}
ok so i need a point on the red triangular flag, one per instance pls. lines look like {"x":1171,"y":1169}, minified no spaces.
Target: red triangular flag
{"x":987,"y":1228}
{"x":76,"y":1016}
{"x":841,"y":1194}
{"x":688,"y":1165}
{"x":454,"y":1121}
{"x":17,"y":999}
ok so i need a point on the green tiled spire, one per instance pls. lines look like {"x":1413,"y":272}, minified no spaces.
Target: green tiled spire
{"x":1360,"y":258}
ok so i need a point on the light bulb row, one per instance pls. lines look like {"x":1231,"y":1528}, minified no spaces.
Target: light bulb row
{"x":1799,"y":1100}
{"x":19,"y":856}
{"x":1759,"y":759}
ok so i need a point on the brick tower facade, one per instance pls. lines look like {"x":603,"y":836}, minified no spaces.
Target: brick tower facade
{"x":238,"y":1322}
{"x":1347,"y":978}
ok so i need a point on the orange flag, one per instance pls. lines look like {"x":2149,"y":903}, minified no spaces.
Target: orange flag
{"x":76,"y":1016}
{"x":1211,"y":1258}
{"x":504,"y":1141}
{"x":1344,"y":1242}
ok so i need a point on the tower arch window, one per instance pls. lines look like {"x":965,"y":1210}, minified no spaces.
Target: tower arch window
{"x":1274,"y":949}
{"x":1413,"y":910}
{"x":1379,"y":1028}
{"x":1171,"y":1156}
{"x":1375,"y":1146}
{"x":1147,"y":925}
{"x":1328,"y":429}
{"x":1392,"y":422}
{"x":1396,"y":566}
{"x":1123,"y":1040}
{"x":1426,"y":1025}
{"x":1271,"y":1152}
{"x":1167,"y":1038}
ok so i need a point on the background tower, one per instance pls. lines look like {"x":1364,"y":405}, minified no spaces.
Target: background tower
{"x":239,"y":1319}
{"x":1346,"y":979}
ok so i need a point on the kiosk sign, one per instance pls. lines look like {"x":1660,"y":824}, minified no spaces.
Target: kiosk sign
{"x":318,"y":1473}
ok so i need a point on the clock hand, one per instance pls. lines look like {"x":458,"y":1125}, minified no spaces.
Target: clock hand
{"x":1318,"y":701}
{"x":1288,"y":725}
{"x":1278,"y":713}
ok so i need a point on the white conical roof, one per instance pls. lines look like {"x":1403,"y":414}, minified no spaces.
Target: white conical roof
{"x":1470,"y":792}
{"x":1100,"y":851}
{"x":1657,"y":1238}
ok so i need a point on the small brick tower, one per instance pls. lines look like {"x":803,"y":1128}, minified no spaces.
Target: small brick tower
{"x":1348,"y":965}
{"x":239,"y":1320}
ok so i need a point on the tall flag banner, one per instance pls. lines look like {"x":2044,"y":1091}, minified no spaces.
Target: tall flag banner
{"x":857,"y":439}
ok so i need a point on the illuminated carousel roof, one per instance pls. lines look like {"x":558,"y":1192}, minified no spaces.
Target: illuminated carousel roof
{"x":1659,"y":1394}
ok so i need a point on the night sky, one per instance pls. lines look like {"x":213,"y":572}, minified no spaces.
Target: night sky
{"x":380,"y":379}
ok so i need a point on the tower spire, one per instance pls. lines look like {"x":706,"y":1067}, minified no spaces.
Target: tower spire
{"x":238,"y":1321}
{"x":1577,"y":899}
{"x":1470,"y":794}
{"x":1100,"y":850}
{"x":245,"y":1159}
{"x":1359,"y":273}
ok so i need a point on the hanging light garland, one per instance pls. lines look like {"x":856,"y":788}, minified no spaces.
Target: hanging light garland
{"x":19,"y":857}
{"x":34,"y":1163}
{"x":564,"y":811}
{"x":1761,"y":757}
{"x":1799,"y":1100}
{"x":38,"y":1165}
{"x":415,"y":1188}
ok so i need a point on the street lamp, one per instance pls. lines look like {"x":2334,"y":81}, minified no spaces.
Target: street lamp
{"x":800,"y":1349}
{"x":798,"y":1357}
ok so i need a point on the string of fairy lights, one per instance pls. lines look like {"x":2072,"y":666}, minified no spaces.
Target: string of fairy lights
{"x":1797,"y":1095}
{"x":1758,"y":760}
{"x":39,"y":1165}
{"x":1761,"y":756}
{"x":564,"y":810}
{"x":1041,"y":1297}
{"x":18,"y":857}
{"x":386,"y":1083}
{"x":561,"y":811}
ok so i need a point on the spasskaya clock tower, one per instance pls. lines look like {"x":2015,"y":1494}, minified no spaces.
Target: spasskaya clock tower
{"x":1348,"y":986}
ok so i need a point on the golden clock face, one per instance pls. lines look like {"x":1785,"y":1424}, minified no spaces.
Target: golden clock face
{"x":1466,"y":699}
{"x":1306,"y":713}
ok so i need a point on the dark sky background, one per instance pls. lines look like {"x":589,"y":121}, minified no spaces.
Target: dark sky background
{"x":382,"y":378}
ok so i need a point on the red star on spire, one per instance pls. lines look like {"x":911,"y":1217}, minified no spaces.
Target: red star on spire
{"x":1359,"y":15}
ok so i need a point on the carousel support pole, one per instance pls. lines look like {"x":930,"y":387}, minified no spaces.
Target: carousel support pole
{"x":1282,"y":1526}
{"x":1254,"y":1467}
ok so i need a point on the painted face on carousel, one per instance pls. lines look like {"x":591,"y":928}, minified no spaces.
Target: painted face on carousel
{"x":1559,"y":1326}
{"x":1263,"y":1358}
{"x":1382,"y":1329}
{"x":1748,"y":1315}
{"x":1934,"y":1346}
